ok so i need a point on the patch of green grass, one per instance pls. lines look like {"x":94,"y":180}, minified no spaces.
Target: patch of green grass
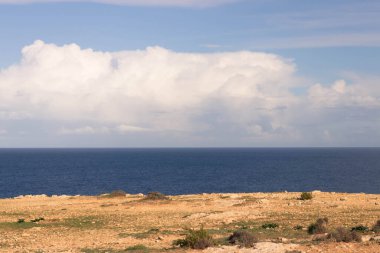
{"x":269,"y":226}
{"x":138,"y":248}
{"x":18,"y":225}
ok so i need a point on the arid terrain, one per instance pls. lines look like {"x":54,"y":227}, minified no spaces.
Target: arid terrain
{"x":117,"y":224}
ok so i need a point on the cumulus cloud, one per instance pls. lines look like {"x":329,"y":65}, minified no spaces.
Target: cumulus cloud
{"x":244,"y":96}
{"x":153,"y":88}
{"x":341,"y":94}
{"x":180,"y":3}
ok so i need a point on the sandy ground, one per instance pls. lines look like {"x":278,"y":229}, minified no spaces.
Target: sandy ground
{"x":105,"y":224}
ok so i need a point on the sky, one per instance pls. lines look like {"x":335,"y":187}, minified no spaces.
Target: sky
{"x":190,"y":73}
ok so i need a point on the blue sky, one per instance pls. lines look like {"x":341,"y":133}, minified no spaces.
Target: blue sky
{"x":324,"y":41}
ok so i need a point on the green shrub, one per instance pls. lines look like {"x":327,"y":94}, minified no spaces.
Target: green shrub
{"x":20,"y":220}
{"x":376,"y":228}
{"x":138,"y":247}
{"x":319,"y":227}
{"x":269,"y":225}
{"x":306,"y":196}
{"x":360,"y":228}
{"x":195,"y":239}
{"x":156,"y":196}
{"x":243,"y":238}
{"x":345,"y":235}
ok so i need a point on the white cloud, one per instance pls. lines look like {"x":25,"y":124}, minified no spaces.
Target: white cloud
{"x":180,"y":3}
{"x":341,"y":94}
{"x":87,"y":130}
{"x":153,"y":88}
{"x":124,"y":129}
{"x":231,"y":98}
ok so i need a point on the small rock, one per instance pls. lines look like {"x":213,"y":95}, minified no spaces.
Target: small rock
{"x":283,"y":240}
{"x":376,"y":203}
{"x":366,"y":238}
{"x":376,"y":238}
{"x":343,"y":199}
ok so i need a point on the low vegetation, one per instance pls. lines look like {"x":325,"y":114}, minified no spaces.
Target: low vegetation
{"x":376,"y":227}
{"x":195,"y":239}
{"x":138,"y":248}
{"x":345,"y":235}
{"x":38,"y":219}
{"x":117,"y":193}
{"x":243,"y":238}
{"x":156,"y":196}
{"x":319,"y":227}
{"x":360,"y":228}
{"x":269,"y":225}
{"x":306,"y":196}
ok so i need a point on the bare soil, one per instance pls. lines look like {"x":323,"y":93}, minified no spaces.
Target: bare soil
{"x":117,"y":224}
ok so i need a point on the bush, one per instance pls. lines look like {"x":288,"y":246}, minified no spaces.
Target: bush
{"x":156,"y":196}
{"x":345,"y":235}
{"x":360,"y":228}
{"x":298,"y":227}
{"x":243,"y":238}
{"x":306,"y":196}
{"x":37,"y":219}
{"x":138,"y":247}
{"x":319,"y":227}
{"x":376,"y":228}
{"x":118,"y":193}
{"x":20,"y":220}
{"x":269,"y":225}
{"x":195,"y":239}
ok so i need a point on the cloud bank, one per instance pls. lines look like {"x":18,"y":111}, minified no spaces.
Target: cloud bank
{"x":180,"y":3}
{"x":232,"y":98}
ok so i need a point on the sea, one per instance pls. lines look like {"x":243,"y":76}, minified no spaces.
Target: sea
{"x":188,"y":170}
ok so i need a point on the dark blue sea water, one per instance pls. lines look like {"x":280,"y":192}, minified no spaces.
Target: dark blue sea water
{"x":182,"y":171}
